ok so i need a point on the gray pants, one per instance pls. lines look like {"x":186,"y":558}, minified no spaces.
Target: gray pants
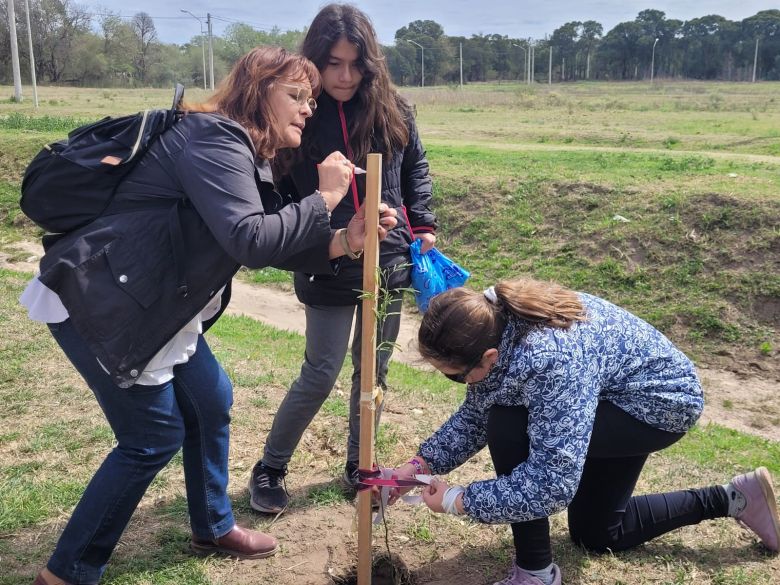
{"x":327,"y":337}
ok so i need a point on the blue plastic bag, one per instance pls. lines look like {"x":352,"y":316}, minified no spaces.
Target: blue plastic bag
{"x":433,"y":273}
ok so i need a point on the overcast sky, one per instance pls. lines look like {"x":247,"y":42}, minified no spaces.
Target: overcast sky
{"x":514,"y":18}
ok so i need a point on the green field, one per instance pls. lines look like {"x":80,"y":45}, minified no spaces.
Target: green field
{"x":664,"y":199}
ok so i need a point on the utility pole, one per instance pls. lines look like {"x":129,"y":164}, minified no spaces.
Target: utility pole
{"x":461,"y":65}
{"x":533,"y":63}
{"x":652,"y":63}
{"x":32,"y":55}
{"x":755,"y":57}
{"x":587,"y":66}
{"x":549,"y":69}
{"x":202,"y":43}
{"x":14,"y":52}
{"x":211,"y":50}
{"x":563,"y":69}
{"x":422,"y":62}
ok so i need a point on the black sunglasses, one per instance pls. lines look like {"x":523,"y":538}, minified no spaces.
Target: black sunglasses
{"x":461,"y":377}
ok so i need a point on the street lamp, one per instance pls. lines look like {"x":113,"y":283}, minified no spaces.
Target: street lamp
{"x":202,"y":44}
{"x":652,"y":62}
{"x":525,"y":60}
{"x":422,"y":62}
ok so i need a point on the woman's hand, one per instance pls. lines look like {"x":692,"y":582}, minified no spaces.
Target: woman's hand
{"x":356,"y":229}
{"x":405,"y":471}
{"x":433,"y":495}
{"x":427,"y":241}
{"x":335,"y":176}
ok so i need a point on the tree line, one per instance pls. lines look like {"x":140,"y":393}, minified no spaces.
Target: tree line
{"x":73,"y":46}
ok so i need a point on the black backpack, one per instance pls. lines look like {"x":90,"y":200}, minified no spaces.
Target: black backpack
{"x":73,"y":182}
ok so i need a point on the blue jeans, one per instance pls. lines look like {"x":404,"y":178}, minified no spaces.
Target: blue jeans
{"x":151,"y":423}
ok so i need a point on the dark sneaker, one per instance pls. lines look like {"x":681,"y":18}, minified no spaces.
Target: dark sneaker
{"x":351,"y":477}
{"x":267,"y":490}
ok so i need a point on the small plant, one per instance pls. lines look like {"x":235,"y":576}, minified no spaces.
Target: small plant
{"x":421,"y":531}
{"x":716,"y":101}
{"x":765,"y":348}
{"x":670,"y":142}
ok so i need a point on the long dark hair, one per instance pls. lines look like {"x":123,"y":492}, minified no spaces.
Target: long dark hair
{"x":243,"y":95}
{"x":382,"y":123}
{"x":461,"y":324}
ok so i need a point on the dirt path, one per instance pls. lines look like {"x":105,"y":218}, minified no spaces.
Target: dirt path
{"x":749,"y":404}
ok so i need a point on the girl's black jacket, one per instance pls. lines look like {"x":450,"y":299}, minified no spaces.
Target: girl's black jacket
{"x":406,"y":186}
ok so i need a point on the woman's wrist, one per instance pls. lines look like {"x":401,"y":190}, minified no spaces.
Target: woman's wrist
{"x":345,"y":245}
{"x":420,"y":465}
{"x":452,"y":497}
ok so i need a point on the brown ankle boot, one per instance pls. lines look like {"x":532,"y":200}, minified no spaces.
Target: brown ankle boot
{"x":40,"y":579}
{"x":241,"y":543}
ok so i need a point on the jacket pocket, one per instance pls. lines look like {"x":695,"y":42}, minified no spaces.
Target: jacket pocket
{"x":131,"y":274}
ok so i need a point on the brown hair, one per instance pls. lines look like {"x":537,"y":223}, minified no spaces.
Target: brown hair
{"x":461,"y":324}
{"x":382,"y":123}
{"x":243,"y":95}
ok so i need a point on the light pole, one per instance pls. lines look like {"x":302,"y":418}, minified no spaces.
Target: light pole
{"x":652,"y":62}
{"x":422,"y":62}
{"x":32,"y":55}
{"x":755,"y":61}
{"x":202,"y":44}
{"x":14,"y":52}
{"x":525,"y":60}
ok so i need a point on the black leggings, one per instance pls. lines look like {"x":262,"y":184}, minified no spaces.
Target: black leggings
{"x":603,"y":516}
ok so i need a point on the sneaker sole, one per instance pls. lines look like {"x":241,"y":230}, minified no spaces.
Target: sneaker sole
{"x":765,"y":481}
{"x":259,"y":508}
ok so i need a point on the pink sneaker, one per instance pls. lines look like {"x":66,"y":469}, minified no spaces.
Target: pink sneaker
{"x":760,"y":513}
{"x":519,"y":577}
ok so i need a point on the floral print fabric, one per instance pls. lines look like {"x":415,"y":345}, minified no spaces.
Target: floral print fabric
{"x":560,"y":375}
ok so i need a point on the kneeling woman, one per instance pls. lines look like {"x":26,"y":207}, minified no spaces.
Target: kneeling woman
{"x":571,"y":394}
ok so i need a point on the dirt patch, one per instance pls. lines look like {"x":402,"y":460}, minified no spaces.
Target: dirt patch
{"x":385,"y":570}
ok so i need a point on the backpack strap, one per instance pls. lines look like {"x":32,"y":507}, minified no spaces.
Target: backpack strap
{"x":175,"y":112}
{"x":178,"y":94}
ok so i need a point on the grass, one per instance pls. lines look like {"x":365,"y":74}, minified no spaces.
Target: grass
{"x":527,"y":181}
{"x":34,"y":503}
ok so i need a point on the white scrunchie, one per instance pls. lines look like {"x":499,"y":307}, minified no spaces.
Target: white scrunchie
{"x":490,"y":295}
{"x":450,"y":498}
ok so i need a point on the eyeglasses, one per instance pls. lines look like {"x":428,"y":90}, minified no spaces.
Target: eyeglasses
{"x":461,"y":377}
{"x":301,"y":95}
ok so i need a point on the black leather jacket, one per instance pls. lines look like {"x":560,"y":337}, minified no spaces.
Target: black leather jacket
{"x":406,"y":186}
{"x":195,"y":209}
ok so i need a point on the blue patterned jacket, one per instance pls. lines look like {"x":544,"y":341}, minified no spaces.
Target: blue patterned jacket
{"x":560,"y":375}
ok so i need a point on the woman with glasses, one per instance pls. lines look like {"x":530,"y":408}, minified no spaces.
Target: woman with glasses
{"x":129,"y":296}
{"x":571,"y":394}
{"x":359,"y":112}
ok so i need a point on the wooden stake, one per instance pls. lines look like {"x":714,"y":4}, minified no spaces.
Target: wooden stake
{"x":368,"y":360}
